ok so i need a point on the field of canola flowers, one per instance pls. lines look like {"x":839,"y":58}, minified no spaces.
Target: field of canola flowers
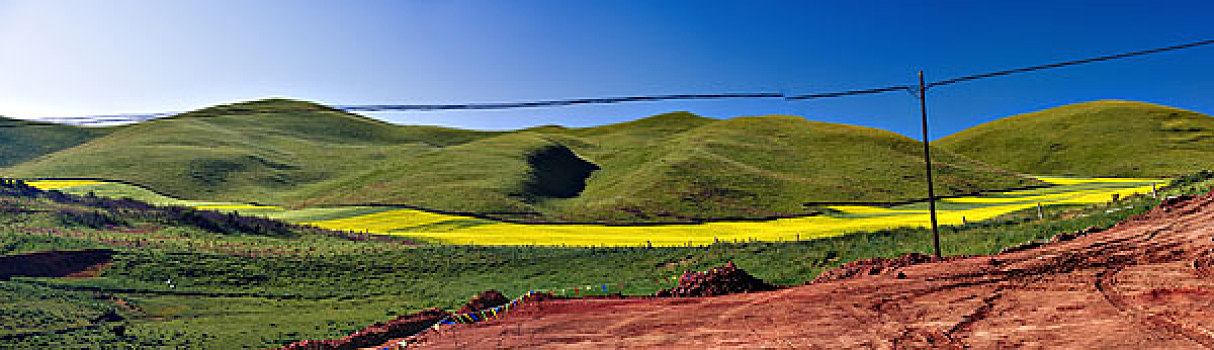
{"x":454,"y":229}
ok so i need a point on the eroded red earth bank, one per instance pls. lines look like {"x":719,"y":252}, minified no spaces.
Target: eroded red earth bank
{"x":1146,"y":283}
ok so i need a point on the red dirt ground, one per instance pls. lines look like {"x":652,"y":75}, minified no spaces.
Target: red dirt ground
{"x":1146,"y":283}
{"x":56,"y":263}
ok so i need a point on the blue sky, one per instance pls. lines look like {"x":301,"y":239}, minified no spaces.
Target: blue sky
{"x":74,"y":58}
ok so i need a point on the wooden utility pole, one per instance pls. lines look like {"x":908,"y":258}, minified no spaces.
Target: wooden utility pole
{"x":927,"y":159}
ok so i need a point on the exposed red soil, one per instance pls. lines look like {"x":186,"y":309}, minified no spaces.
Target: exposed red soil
{"x":376,"y":333}
{"x":728,"y":279}
{"x":56,"y":263}
{"x":1146,"y":283}
{"x":486,"y":300}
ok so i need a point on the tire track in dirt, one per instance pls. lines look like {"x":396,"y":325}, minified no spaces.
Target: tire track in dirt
{"x":1119,"y":288}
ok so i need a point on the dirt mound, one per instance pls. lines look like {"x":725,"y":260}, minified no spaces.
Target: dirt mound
{"x":486,"y":300}
{"x":728,"y":279}
{"x":1144,"y":283}
{"x":375,"y":334}
{"x":55,"y":263}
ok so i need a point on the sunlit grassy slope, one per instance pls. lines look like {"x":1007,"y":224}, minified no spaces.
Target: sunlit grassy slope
{"x":675,"y":167}
{"x":325,"y":287}
{"x":851,"y":219}
{"x":1103,"y":138}
{"x":843,"y":218}
{"x":22,"y":140}
{"x":256,"y":151}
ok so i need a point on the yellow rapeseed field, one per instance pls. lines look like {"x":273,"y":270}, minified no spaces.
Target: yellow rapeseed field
{"x":385,"y":222}
{"x":854,"y":218}
{"x":237,"y":207}
{"x":860,"y":218}
{"x":61,"y":184}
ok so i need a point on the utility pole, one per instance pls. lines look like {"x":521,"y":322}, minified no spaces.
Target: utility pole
{"x":927,"y":159}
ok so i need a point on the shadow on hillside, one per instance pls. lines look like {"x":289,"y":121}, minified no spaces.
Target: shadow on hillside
{"x":556,"y":172}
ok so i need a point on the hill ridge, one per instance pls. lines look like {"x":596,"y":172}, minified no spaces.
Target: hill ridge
{"x":1096,"y":138}
{"x":671,"y":167}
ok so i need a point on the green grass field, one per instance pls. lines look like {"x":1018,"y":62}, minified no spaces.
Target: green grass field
{"x":840,"y":219}
{"x":303,"y":162}
{"x":675,"y":167}
{"x":22,"y":140}
{"x":325,"y":287}
{"x":1103,"y":138}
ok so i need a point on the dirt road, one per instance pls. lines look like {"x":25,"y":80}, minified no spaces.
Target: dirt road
{"x":1147,"y":283}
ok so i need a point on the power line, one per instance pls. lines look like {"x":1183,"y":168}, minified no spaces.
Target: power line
{"x":556,"y":103}
{"x":608,"y":100}
{"x":850,"y":93}
{"x":550,"y":103}
{"x":671,"y":97}
{"x":1069,"y":63}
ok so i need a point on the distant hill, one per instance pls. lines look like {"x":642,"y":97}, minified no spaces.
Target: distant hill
{"x":673,"y":167}
{"x":1102,"y":138}
{"x":22,"y":140}
{"x":261,"y":150}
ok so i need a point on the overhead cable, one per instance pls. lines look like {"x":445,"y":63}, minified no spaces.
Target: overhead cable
{"x":672,"y":97}
{"x":1069,"y":63}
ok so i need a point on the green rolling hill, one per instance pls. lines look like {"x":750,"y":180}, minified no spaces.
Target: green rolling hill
{"x":1102,"y":138}
{"x":22,"y":140}
{"x":256,"y":151}
{"x":673,"y":167}
{"x":762,"y":166}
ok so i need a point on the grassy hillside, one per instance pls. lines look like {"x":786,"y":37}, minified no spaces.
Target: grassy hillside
{"x":672,"y":167}
{"x":22,"y":140}
{"x":669,"y":168}
{"x":255,"y":151}
{"x":1103,"y":138}
{"x":761,"y":166}
{"x":327,"y":287}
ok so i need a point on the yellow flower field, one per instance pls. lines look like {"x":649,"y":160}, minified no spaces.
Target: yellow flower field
{"x":385,"y":222}
{"x":61,"y":184}
{"x":237,"y":207}
{"x":854,"y":218}
{"x":698,"y":234}
{"x":1086,"y":191}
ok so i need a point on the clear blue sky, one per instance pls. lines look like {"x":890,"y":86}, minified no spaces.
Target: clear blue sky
{"x":73,"y":58}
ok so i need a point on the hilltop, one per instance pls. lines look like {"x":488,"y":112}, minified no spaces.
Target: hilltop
{"x":674,"y":167}
{"x":22,"y":140}
{"x":1101,"y":138}
{"x":763,"y":166}
{"x":247,"y":151}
